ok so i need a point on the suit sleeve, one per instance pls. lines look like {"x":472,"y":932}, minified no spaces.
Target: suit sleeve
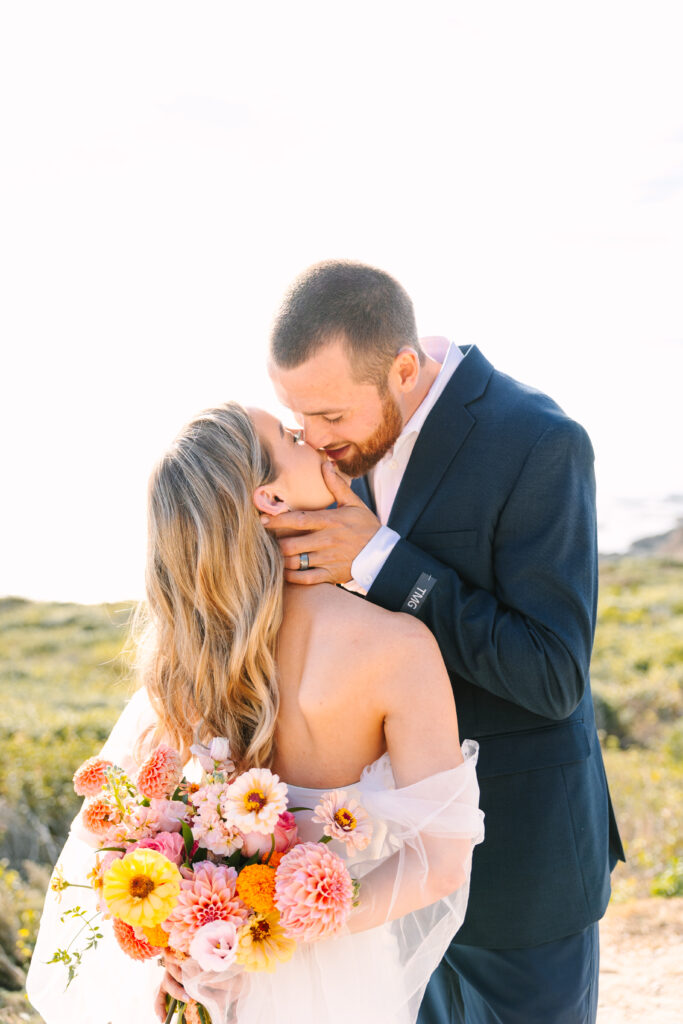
{"x":530,"y":640}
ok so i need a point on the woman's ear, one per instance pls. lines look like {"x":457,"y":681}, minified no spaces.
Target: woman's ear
{"x":267,"y":501}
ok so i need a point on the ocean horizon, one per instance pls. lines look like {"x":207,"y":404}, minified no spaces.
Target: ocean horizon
{"x":622,"y":520}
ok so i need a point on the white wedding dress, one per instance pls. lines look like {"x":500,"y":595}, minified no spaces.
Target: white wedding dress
{"x":376,"y":976}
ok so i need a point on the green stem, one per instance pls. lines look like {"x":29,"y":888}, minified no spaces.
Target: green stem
{"x":171,"y":1011}
{"x":86,"y":924}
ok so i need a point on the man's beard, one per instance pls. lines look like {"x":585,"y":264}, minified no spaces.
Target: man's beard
{"x":368,"y":454}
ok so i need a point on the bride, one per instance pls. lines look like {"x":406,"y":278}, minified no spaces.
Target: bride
{"x":326,"y":690}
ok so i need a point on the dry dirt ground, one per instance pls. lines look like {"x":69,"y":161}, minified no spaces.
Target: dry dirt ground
{"x":641,"y":968}
{"x":641,"y":963}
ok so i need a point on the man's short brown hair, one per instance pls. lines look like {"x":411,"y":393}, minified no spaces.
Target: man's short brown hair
{"x":365,"y":307}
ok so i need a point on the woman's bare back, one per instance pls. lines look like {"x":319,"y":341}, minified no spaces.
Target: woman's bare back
{"x":345,"y":674}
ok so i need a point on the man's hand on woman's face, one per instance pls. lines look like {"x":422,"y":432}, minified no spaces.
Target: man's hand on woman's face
{"x":331,"y":537}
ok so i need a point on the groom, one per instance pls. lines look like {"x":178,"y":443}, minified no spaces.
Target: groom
{"x":473,"y":508}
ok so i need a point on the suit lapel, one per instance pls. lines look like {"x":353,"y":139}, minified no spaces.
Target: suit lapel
{"x":441,"y":437}
{"x":360,"y":487}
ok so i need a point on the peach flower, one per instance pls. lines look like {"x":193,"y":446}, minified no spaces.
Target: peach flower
{"x":160,"y":773}
{"x":138,"y":949}
{"x":313,"y":892}
{"x":192,"y":1013}
{"x":91,"y":776}
{"x":99,"y":816}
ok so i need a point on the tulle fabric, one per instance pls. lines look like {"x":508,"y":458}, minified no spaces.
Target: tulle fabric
{"x":376,"y":976}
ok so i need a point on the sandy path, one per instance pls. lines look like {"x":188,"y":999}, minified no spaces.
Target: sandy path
{"x":641,"y":963}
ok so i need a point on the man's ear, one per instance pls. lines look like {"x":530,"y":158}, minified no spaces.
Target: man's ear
{"x":406,"y":367}
{"x":267,"y":501}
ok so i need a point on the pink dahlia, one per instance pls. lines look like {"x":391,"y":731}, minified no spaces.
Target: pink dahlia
{"x":138,"y":949}
{"x":160,"y":773}
{"x":344,"y":819}
{"x":91,"y":776}
{"x":313,"y":892}
{"x":209,"y":895}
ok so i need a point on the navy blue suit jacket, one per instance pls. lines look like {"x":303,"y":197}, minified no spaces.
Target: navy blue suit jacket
{"x":496,"y":514}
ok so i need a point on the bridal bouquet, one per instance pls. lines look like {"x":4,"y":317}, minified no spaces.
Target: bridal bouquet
{"x":212,"y":872}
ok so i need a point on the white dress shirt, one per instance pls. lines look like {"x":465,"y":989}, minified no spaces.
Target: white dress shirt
{"x":385,"y":478}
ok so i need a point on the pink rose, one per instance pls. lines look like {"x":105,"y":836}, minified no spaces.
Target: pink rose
{"x":214,"y":945}
{"x":286,"y":833}
{"x":286,"y":836}
{"x":171,"y":844}
{"x":169,"y":814}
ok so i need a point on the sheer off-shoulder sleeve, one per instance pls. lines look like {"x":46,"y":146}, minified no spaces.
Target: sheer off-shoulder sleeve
{"x":423,"y":837}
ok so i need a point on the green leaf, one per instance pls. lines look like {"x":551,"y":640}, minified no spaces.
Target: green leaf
{"x":187,"y":836}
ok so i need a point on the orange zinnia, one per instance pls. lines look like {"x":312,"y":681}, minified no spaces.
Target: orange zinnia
{"x":256,"y":887}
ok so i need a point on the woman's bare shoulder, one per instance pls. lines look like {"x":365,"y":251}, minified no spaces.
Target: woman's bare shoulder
{"x":364,"y":632}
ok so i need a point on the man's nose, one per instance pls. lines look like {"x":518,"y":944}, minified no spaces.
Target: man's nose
{"x":317,"y":435}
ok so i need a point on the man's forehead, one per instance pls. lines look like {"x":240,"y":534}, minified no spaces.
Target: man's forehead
{"x":319,"y":386}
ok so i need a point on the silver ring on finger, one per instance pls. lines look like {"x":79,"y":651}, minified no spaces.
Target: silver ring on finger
{"x":303,"y":562}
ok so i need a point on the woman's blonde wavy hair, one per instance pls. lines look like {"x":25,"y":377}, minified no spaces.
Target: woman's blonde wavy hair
{"x":214,"y":590}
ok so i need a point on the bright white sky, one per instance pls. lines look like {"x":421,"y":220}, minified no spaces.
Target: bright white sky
{"x":167,"y":168}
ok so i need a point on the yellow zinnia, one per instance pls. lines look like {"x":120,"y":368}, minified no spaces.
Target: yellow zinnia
{"x":141,"y":888}
{"x":262,"y":943}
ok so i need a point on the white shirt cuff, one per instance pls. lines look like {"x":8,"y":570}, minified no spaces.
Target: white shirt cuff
{"x":368,"y":563}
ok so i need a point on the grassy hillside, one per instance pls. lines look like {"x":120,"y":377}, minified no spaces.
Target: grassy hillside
{"x":64,"y":675}
{"x":637,"y":673}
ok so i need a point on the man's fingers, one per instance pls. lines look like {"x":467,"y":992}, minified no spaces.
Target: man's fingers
{"x":294,"y":564}
{"x":295,"y":521}
{"x":292,"y":547}
{"x":338,"y":486}
{"x":309,"y":577}
{"x":175,"y":971}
